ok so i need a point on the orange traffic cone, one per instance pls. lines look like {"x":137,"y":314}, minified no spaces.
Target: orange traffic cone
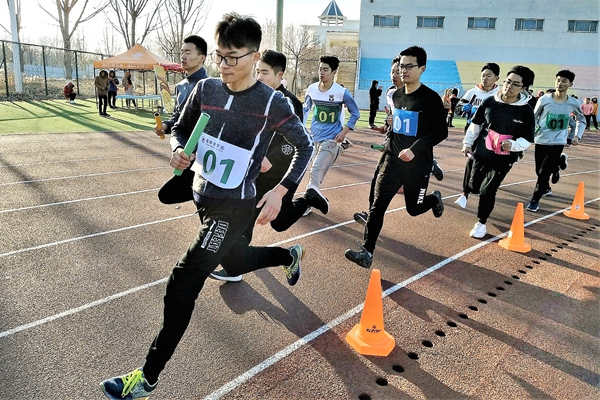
{"x":576,"y":210}
{"x":368,"y":337}
{"x":515,"y":241}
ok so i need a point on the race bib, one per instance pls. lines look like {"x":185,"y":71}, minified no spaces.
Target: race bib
{"x":220,"y":163}
{"x":326,"y":114}
{"x":405,"y":122}
{"x":557,"y":122}
{"x":493,"y":142}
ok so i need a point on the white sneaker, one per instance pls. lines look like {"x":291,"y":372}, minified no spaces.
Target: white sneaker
{"x":478,"y":231}
{"x":462,"y":201}
{"x":72,"y":101}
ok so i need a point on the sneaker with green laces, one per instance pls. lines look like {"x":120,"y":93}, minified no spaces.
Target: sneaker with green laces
{"x":292,"y":271}
{"x":132,"y":386}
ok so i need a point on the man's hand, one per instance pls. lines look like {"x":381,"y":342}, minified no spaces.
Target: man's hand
{"x":406,"y":155}
{"x":466,"y":150}
{"x":506,"y":145}
{"x":265,"y":165}
{"x":271,"y":205}
{"x":179,"y":159}
{"x":159,"y":132}
{"x":342,"y":135}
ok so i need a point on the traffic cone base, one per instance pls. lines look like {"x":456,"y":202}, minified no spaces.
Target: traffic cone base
{"x":515,"y":241}
{"x":576,"y":210}
{"x":369,"y":336}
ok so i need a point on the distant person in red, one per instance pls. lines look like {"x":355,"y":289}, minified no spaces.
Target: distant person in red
{"x":69,"y":92}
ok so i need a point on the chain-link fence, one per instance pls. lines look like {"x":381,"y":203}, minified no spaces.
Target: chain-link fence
{"x":46,"y":70}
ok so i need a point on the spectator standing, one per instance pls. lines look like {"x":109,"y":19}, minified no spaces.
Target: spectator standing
{"x":374,"y":94}
{"x":101,"y":84}
{"x":453,"y":102}
{"x":594,"y":114}
{"x":128,"y":86}
{"x":112,"y":89}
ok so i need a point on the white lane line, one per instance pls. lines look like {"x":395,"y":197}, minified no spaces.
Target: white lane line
{"x":81,"y":160}
{"x":43,"y":246}
{"x":233,"y":384}
{"x":82,"y":176}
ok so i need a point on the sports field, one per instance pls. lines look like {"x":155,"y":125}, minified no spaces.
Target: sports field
{"x":86,"y":248}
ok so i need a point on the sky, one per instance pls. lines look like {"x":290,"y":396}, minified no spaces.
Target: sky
{"x":37,"y":23}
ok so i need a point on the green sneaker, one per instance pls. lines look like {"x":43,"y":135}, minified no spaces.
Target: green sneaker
{"x":292,"y":271}
{"x":132,"y":386}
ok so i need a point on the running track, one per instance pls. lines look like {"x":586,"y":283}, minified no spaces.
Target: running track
{"x":86,"y":248}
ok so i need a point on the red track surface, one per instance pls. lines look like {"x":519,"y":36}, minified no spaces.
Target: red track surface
{"x":86,"y":247}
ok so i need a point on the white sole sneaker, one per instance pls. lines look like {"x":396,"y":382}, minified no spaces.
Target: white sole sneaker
{"x":462,"y":201}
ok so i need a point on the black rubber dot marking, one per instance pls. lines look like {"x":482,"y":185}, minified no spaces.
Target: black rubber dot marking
{"x":569,"y":240}
{"x":536,"y":262}
{"x":398,"y":368}
{"x":565,"y":243}
{"x":440,"y":333}
{"x":548,"y":254}
{"x":515,"y":277}
{"x":413,"y":356}
{"x":500,"y":288}
{"x":381,"y":381}
{"x":463,"y":316}
{"x":580,"y":234}
{"x":574,"y":237}
{"x":521,"y":271}
{"x":560,"y":247}
{"x":427,"y":343}
{"x":542,"y":258}
{"x":553,"y":250}
{"x":364,"y":396}
{"x":482,"y":301}
{"x":473,"y":308}
{"x":451,"y":324}
{"x":528,"y":267}
{"x":508,"y":282}
{"x":491,"y":294}
{"x":591,"y":229}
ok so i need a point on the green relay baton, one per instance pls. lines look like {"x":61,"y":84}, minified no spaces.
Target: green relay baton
{"x":193,"y":140}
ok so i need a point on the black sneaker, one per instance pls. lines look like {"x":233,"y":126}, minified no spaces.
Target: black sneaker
{"x":361,"y":217}
{"x":438,"y":209}
{"x":533,"y":206}
{"x":316,"y":199}
{"x":564,"y":161}
{"x":362,"y":257}
{"x":547,"y":193}
{"x":292,"y":271}
{"x":221,"y":275}
{"x":555,"y":177}
{"x":437,"y":171}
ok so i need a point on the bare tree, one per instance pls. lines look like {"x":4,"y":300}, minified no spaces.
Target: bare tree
{"x":299,"y":44}
{"x":179,"y":19}
{"x":64,"y":8}
{"x":18,"y":15}
{"x":130,"y":14}
{"x":109,"y":44}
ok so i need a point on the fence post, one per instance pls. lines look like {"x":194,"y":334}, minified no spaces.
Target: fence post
{"x":5,"y":68}
{"x":45,"y":75}
{"x":76,"y":72}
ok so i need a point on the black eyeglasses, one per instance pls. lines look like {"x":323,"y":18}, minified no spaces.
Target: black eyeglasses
{"x":231,"y":61}
{"x":513,"y":84}
{"x":407,"y":67}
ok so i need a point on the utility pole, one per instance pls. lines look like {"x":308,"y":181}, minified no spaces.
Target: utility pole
{"x":16,"y":50}
{"x":279,"y":39}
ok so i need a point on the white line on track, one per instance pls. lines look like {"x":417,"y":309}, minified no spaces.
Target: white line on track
{"x":83,"y":160}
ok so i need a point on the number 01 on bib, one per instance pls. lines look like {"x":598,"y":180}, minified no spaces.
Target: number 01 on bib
{"x":220,"y":163}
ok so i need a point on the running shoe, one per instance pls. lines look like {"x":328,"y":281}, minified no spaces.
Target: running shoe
{"x":307,"y":211}
{"x":292,"y":271}
{"x":316,"y":199}
{"x":462,"y":201}
{"x":361,"y":217}
{"x":221,"y":275}
{"x":437,"y":171}
{"x":555,"y":177}
{"x":129,"y":387}
{"x":438,"y":209}
{"x":533,"y":206}
{"x":478,"y":231}
{"x":346,"y":143}
{"x":363,"y":257}
{"x":548,"y":192}
{"x":564,"y":161}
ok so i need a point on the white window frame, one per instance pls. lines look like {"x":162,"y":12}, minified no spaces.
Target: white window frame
{"x":437,"y":25}
{"x":475,"y":19}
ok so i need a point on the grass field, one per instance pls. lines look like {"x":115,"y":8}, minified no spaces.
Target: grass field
{"x":58,"y":116}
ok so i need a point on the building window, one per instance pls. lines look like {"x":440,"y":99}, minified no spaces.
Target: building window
{"x":481,"y":23}
{"x":386,"y":21}
{"x":430,"y":22}
{"x":583,"y":26}
{"x":523,"y":24}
